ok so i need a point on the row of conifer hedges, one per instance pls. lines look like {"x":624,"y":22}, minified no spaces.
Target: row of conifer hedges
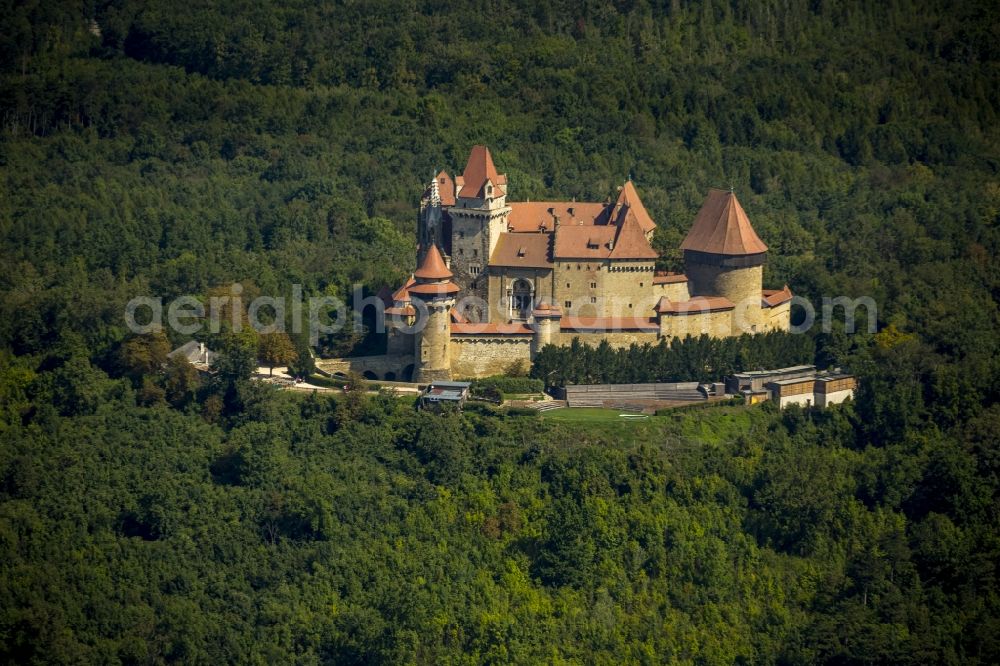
{"x":506,"y":384}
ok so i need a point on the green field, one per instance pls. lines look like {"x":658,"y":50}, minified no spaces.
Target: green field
{"x":590,"y":415}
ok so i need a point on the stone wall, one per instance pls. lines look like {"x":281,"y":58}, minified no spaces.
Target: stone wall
{"x":778,"y":318}
{"x":393,"y":367}
{"x":616,"y":339}
{"x":716,"y":324}
{"x":502,"y":278}
{"x":485,"y":355}
{"x":629,"y":289}
{"x":398,"y":342}
{"x":473,"y":236}
{"x":742,"y":286}
{"x":579,"y":287}
{"x":605,"y":288}
{"x":673,"y":291}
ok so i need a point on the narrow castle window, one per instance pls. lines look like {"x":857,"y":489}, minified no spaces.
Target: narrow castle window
{"x":593,"y":299}
{"x":593,"y":285}
{"x":568,"y":304}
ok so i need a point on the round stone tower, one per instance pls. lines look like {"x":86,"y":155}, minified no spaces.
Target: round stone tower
{"x":547,"y":318}
{"x":723,"y":256}
{"x":433,"y":296}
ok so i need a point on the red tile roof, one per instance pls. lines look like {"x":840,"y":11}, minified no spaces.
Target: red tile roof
{"x":772,"y":297}
{"x":628,"y":197}
{"x":433,"y":267}
{"x":583,"y":242}
{"x":522,"y":250}
{"x":478,"y":170}
{"x":696,"y":305}
{"x":573,"y":323}
{"x":402,"y":294}
{"x":470,"y":328}
{"x":446,"y":188}
{"x":531,"y":216}
{"x":547,"y":309}
{"x":434,"y":289}
{"x":722,"y":227}
{"x":630,"y":241}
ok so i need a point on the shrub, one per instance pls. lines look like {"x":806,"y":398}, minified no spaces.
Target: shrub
{"x":483,"y":408}
{"x":521,"y":411}
{"x":506,"y":384}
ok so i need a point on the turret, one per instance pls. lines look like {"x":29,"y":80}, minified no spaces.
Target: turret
{"x":433,"y":296}
{"x":433,"y":226}
{"x":723,"y":256}
{"x":547,"y":317}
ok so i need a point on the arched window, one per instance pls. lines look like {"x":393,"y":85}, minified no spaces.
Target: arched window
{"x":521,"y":298}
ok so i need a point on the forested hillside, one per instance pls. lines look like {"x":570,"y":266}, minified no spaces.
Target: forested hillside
{"x":151,"y":149}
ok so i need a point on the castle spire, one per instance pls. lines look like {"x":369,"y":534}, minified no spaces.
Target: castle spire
{"x":435,"y":192}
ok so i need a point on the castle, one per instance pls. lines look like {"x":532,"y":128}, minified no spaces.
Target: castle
{"x":497,"y":280}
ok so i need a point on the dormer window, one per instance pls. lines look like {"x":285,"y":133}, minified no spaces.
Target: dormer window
{"x":520,"y":251}
{"x":489,"y":190}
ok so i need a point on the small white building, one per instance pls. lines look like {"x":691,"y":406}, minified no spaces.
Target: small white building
{"x":820,"y":390}
{"x":834,"y":389}
{"x":797,"y":391}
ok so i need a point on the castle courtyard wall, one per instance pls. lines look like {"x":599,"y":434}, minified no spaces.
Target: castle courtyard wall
{"x":599,"y":288}
{"x":778,"y":318}
{"x":716,"y":324}
{"x":617,"y":339}
{"x":673,"y":291}
{"x":485,"y":355}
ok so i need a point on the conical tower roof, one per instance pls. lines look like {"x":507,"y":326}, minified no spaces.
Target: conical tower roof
{"x":722,"y":227}
{"x":433,"y":267}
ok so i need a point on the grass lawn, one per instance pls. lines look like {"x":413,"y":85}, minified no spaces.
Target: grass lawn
{"x":590,"y":414}
{"x":522,"y":396}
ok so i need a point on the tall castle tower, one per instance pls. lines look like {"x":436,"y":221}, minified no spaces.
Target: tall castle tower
{"x":433,"y":296}
{"x":479,"y":216}
{"x":723,"y":256}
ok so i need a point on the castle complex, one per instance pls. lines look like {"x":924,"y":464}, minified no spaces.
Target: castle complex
{"x":498,"y":280}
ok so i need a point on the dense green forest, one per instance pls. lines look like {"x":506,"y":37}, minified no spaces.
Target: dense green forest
{"x":148,"y":515}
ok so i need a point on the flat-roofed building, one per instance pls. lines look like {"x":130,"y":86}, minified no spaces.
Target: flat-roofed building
{"x":798,"y":391}
{"x":756,"y":380}
{"x":834,"y":389}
